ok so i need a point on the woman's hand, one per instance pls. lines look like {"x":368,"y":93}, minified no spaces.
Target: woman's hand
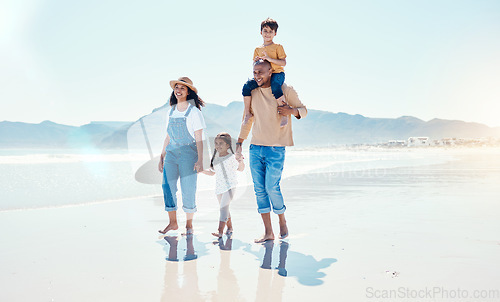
{"x":198,"y":166}
{"x":160,"y":164}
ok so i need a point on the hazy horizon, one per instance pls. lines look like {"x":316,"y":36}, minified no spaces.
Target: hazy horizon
{"x":131,"y":121}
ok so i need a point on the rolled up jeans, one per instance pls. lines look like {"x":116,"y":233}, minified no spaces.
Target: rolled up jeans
{"x":179,"y":164}
{"x":266,"y":166}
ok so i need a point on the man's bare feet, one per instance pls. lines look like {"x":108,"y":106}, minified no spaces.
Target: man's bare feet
{"x":170,"y":226}
{"x":283,"y":231}
{"x":265,"y":238}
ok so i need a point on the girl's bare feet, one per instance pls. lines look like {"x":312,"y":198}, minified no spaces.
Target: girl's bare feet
{"x":188,"y":232}
{"x":218,"y":235}
{"x":170,"y":226}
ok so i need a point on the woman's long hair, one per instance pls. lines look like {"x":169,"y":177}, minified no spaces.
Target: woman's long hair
{"x":227,"y":139}
{"x":198,"y":102}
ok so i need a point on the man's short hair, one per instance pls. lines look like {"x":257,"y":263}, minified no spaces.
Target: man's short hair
{"x":271,"y":23}
{"x":262,"y":62}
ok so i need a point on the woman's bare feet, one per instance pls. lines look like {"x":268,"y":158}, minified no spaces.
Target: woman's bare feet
{"x":170,"y":226}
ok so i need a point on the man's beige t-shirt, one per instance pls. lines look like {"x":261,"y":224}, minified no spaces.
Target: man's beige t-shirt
{"x":266,"y":120}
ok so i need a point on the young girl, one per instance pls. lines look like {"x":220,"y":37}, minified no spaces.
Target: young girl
{"x":224,"y":165}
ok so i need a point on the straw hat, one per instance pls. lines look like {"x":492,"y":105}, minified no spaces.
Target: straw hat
{"x":184,"y":81}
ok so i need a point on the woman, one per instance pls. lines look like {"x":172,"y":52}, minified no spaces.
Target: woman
{"x":182,"y":154}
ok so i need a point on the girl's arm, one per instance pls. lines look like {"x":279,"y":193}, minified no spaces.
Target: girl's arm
{"x":163,"y":152}
{"x":198,"y":166}
{"x":208,"y":172}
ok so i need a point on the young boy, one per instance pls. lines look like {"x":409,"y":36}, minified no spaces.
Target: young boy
{"x":275,"y":54}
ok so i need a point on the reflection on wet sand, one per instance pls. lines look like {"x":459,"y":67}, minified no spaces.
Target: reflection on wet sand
{"x":269,"y":285}
{"x":227,"y":284}
{"x":304,"y":267}
{"x":181,"y":286}
{"x":181,"y":275}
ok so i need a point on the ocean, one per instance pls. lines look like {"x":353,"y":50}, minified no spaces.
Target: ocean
{"x":37,"y":178}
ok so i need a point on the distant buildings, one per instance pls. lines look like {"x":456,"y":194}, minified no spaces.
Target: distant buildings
{"x":418,"y":141}
{"x":444,"y":142}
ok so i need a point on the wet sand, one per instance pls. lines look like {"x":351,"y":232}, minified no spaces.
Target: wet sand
{"x":354,"y":236}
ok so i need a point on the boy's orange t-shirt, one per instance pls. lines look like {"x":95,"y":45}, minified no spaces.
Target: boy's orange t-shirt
{"x":274,"y":51}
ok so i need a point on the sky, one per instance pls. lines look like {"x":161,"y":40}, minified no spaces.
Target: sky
{"x":73,"y":62}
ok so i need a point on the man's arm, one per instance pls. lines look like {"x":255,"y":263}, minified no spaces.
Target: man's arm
{"x":294,"y":106}
{"x":244,"y":132}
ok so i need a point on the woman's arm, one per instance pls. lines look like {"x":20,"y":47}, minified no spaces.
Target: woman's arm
{"x":163,"y":152}
{"x":198,"y":166}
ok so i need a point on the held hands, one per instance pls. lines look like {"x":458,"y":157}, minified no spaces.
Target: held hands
{"x":239,"y":157}
{"x":198,"y":166}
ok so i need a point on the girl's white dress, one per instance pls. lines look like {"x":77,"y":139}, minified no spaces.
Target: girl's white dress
{"x":225,"y":168}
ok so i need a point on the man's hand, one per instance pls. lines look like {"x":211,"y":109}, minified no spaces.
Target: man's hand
{"x":238,"y":155}
{"x":287,"y":110}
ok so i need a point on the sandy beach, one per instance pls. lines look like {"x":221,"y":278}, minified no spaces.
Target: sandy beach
{"x":420,"y":233}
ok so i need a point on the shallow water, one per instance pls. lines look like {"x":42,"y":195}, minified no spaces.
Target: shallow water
{"x":48,"y":178}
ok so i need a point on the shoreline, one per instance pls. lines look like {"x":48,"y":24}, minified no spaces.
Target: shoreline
{"x":409,"y":226}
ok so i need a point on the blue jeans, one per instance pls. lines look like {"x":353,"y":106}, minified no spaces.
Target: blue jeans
{"x":179,"y":163}
{"x":277,"y":80}
{"x":266,"y":165}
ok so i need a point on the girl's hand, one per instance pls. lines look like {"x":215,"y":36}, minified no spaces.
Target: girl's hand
{"x":198,"y":166}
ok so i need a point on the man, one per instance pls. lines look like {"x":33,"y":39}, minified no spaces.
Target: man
{"x":267,"y":148}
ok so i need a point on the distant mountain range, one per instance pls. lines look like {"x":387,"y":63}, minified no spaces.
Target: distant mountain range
{"x":318,"y":128}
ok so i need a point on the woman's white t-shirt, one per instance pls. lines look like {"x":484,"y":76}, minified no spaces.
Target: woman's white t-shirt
{"x":194,"y":120}
{"x":229,"y":179}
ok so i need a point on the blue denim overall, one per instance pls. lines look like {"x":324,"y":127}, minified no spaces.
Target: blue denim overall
{"x":181,"y":155}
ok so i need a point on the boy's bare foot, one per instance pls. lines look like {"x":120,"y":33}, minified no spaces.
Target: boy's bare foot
{"x":265,"y":238}
{"x":247,"y":117}
{"x":218,"y":235}
{"x":284,"y":120}
{"x":281,"y":101}
{"x":170,"y":226}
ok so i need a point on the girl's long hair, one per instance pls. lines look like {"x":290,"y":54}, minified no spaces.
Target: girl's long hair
{"x":227,"y":139}
{"x":198,"y":102}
